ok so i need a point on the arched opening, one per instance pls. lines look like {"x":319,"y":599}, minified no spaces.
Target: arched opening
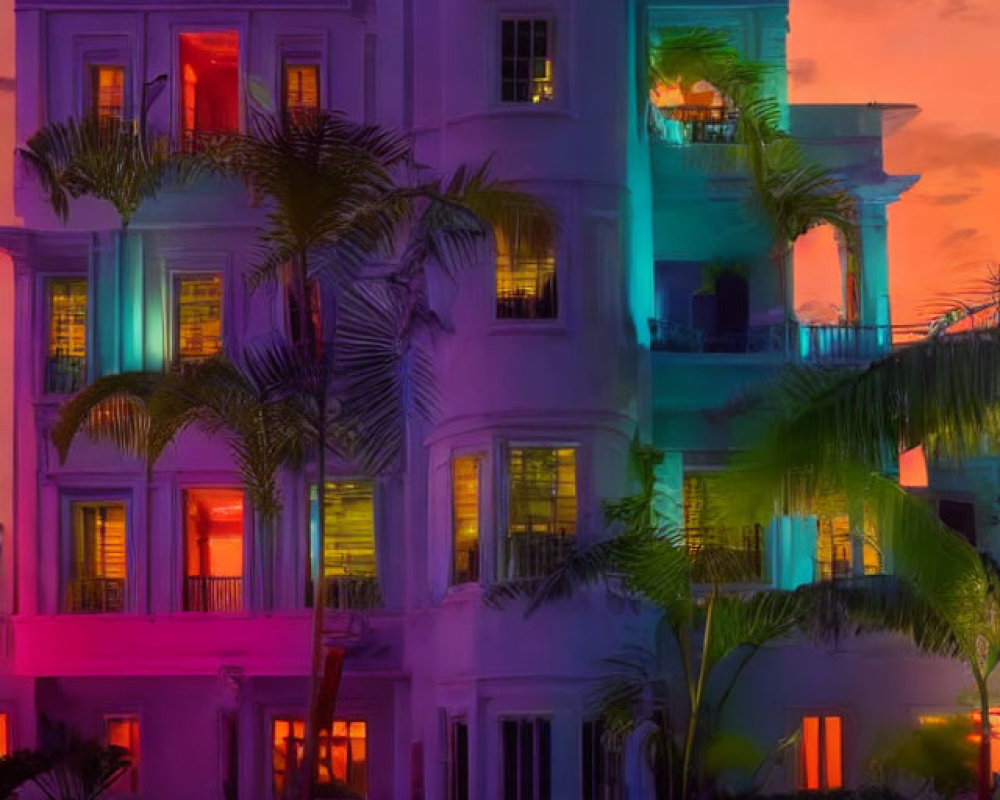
{"x":826,"y":290}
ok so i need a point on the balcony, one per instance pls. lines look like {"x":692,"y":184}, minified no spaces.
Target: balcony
{"x":697,"y":125}
{"x":65,"y":374}
{"x":96,"y":596}
{"x":213,"y":593}
{"x":812,"y":344}
{"x":349,"y":593}
{"x":727,"y":555}
{"x":535,"y":555}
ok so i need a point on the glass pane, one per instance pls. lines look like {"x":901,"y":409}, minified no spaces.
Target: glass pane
{"x":510,"y":759}
{"x":67,"y":335}
{"x":213,"y":543}
{"x":465,"y":518}
{"x":526,"y":756}
{"x":198,"y":301}
{"x":108,"y":93}
{"x":97,"y":581}
{"x":349,"y":548}
{"x":544,"y":760}
{"x":832,"y":755}
{"x":810,"y":753}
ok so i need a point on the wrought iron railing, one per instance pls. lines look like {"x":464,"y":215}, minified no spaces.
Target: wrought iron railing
{"x":815,"y":344}
{"x":351,"y":593}
{"x":95,"y":596}
{"x":700,"y":124}
{"x":65,"y":374}
{"x":213,"y":593}
{"x":522,"y":305}
{"x":534,"y":555}
{"x":734,"y":555}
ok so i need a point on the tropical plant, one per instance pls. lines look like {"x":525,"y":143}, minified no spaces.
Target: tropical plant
{"x":839,"y":432}
{"x":701,"y":627}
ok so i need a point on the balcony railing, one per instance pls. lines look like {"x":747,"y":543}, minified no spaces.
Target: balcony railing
{"x":350,"y":593}
{"x":213,"y":593}
{"x":534,"y":555}
{"x":65,"y":374}
{"x":95,"y":596}
{"x":466,"y":568}
{"x":729,"y":555}
{"x":522,"y":305}
{"x":698,"y":125}
{"x":816,"y":344}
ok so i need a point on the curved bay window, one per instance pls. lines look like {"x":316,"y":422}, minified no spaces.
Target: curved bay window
{"x":542,"y":512}
{"x":342,"y":759}
{"x":525,"y":277}
{"x":98,"y":567}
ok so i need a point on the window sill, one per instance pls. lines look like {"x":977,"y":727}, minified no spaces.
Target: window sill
{"x":522,"y":327}
{"x":515,"y":110}
{"x":462,"y":593}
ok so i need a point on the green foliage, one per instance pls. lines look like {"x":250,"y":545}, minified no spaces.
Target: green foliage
{"x":939,"y":754}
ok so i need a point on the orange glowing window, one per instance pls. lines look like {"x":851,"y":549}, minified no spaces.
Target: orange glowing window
{"x":209,"y":96}
{"x":198,"y":316}
{"x":4,"y":734}
{"x":301,"y":89}
{"x":123,"y":732}
{"x":342,"y":757}
{"x":525,"y":279}
{"x":835,"y":546}
{"x":107,"y":93}
{"x":213,"y":540}
{"x":465,"y":518}
{"x":66,"y":363}
{"x":97,"y":580}
{"x":994,"y":734}
{"x":821,"y":753}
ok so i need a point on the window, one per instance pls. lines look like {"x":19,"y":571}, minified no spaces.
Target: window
{"x":542,"y":509}
{"x":526,"y":61}
{"x":107,"y":93}
{"x":342,"y":757}
{"x":209,"y":93}
{"x":821,"y":753}
{"x":66,"y":358}
{"x":743,"y":545}
{"x":526,"y":278}
{"x":349,"y":558}
{"x":98,"y":569}
{"x":835,"y":547}
{"x":465,"y":519}
{"x":458,"y":763}
{"x":197,"y":316}
{"x":213,"y":544}
{"x":5,"y":744}
{"x":301,"y":91}
{"x":123,"y":732}
{"x":602,"y":765}
{"x":527,"y":759}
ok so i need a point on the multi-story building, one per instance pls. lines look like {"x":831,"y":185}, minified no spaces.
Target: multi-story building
{"x":135,"y":609}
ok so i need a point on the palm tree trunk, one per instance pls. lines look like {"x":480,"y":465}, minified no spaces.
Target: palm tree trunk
{"x":984,"y":769}
{"x":697,"y":692}
{"x":318,"y":607}
{"x":305,"y":331}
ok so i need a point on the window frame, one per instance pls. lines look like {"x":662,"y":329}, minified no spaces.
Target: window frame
{"x":301,"y":49}
{"x":823,"y":778}
{"x":134,"y":773}
{"x":557,"y":273}
{"x":227,"y":23}
{"x":70,"y":497}
{"x":283,"y":713}
{"x":45,"y":279}
{"x":246,"y":542}
{"x":175,"y":276}
{"x":114,"y":50}
{"x":533,"y":16}
{"x":537,"y":792}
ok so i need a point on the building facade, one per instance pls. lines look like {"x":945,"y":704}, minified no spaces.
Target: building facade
{"x":134,"y":605}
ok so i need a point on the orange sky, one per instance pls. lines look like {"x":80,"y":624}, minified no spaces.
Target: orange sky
{"x":939,"y":54}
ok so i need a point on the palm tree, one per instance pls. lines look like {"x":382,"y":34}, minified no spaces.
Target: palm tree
{"x":699,"y":623}
{"x":839,"y":432}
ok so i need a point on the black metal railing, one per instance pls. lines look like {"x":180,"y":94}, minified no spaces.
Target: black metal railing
{"x":701,"y":124}
{"x":723,"y":554}
{"x":534,"y":555}
{"x":213,"y":593}
{"x":349,"y":593}
{"x":522,"y":305}
{"x":65,"y":374}
{"x":814,"y":344}
{"x":95,"y":596}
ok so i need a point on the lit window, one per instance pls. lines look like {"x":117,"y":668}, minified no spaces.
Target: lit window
{"x":994,"y":734}
{"x":349,"y":558}
{"x":702,"y":532}
{"x":198,"y":320}
{"x":301,"y":91}
{"x":98,"y":567}
{"x":542,"y":509}
{"x":4,"y":734}
{"x":602,"y":765}
{"x":821,"y":753}
{"x":527,"y":758}
{"x":213,"y":542}
{"x":342,"y":758}
{"x":209,"y":93}
{"x":835,"y":547}
{"x":526,"y":278}
{"x":465,"y":519}
{"x":107,"y":93}
{"x":123,"y":732}
{"x":526,"y":61}
{"x":66,"y":364}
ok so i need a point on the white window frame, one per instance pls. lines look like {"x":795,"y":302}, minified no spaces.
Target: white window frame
{"x":481,"y":458}
{"x":528,"y":15}
{"x":69,"y":496}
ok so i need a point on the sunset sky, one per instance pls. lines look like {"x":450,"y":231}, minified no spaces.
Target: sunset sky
{"x":939,"y":54}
